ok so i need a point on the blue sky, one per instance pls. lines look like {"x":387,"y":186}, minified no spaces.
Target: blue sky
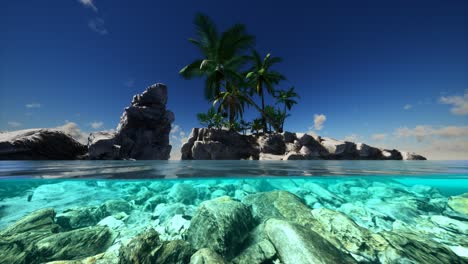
{"x":391,"y":73}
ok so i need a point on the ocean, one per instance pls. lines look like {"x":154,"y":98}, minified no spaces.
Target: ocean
{"x":234,"y":212}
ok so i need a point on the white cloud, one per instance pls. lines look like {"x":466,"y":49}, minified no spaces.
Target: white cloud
{"x":72,"y":129}
{"x":379,"y":137}
{"x":319,"y":120}
{"x":33,"y":105}
{"x":14,"y":124}
{"x":352,"y":138}
{"x":407,"y":107}
{"x":459,"y":103}
{"x":89,"y":3}
{"x":97,"y":25}
{"x":96,"y":124}
{"x":177,"y":139}
{"x":423,"y":132}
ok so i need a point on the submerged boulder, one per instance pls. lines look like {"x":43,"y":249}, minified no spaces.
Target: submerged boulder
{"x":39,"y":144}
{"x":459,"y":203}
{"x":221,"y":225}
{"x":143,"y":130}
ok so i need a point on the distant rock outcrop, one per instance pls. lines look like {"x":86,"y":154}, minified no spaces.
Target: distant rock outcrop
{"x":39,"y":144}
{"x":216,"y":144}
{"x":143,"y":130}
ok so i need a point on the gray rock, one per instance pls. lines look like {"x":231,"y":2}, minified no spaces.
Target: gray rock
{"x":459,"y":203}
{"x":339,"y":149}
{"x":209,"y":144}
{"x":164,"y":211}
{"x":368,"y":152}
{"x":412,"y":156}
{"x":143,"y":130}
{"x":39,"y":144}
{"x":391,"y":154}
{"x":102,"y":146}
{"x":183,"y":193}
{"x":78,"y":217}
{"x":272,"y":144}
{"x":221,"y":224}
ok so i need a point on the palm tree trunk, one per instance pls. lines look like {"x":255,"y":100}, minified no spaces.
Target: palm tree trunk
{"x":259,"y":88}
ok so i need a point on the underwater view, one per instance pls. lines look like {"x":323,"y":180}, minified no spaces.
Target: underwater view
{"x":234,"y":212}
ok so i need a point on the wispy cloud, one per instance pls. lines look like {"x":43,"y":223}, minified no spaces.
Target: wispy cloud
{"x":379,"y":137}
{"x":73,"y":130}
{"x":319,"y":120}
{"x":459,"y":103}
{"x":89,"y":3}
{"x":407,"y":107}
{"x":33,"y":105}
{"x":97,"y":25}
{"x":96,"y":124}
{"x":423,"y":132}
{"x":14,"y":124}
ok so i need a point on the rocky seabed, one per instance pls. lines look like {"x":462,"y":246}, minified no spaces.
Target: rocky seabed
{"x":289,"y":221}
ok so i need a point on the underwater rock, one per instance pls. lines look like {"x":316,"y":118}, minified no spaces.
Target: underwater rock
{"x":174,"y":228}
{"x":143,"y":130}
{"x":296,"y":244}
{"x":221,"y":224}
{"x":183,"y":193}
{"x":78,"y":217}
{"x":146,"y":248}
{"x":345,"y":234}
{"x":278,"y":204}
{"x":206,"y":256}
{"x":39,"y":144}
{"x":75,"y":244}
{"x":111,"y":207}
{"x":16,"y":239}
{"x":459,"y":203}
{"x":166,"y":211}
{"x":111,"y":222}
{"x":407,"y":248}
{"x":258,"y":253}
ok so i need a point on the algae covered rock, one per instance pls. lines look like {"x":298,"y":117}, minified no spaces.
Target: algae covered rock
{"x":459,"y":203}
{"x":221,"y":225}
{"x":77,"y":217}
{"x":206,"y":256}
{"x":146,"y":248}
{"x":278,"y":204}
{"x":258,"y":253}
{"x":296,"y":244}
{"x":75,"y":244}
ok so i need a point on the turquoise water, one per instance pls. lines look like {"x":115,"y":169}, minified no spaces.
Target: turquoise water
{"x":234,"y":212}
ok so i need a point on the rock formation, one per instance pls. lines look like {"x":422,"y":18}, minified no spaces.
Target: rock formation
{"x":215,"y":144}
{"x":143,"y":130}
{"x":39,"y":144}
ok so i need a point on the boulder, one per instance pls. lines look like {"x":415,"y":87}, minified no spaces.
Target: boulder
{"x":39,"y":144}
{"x":221,"y":225}
{"x":146,"y":248}
{"x":367,"y":152}
{"x":206,"y":256}
{"x":459,"y":203}
{"x":271,"y":144}
{"x":296,"y":244}
{"x":218,"y":144}
{"x":143,"y":130}
{"x":71,"y":245}
{"x":412,"y":156}
{"x":339,"y":149}
{"x":392,"y":154}
{"x":78,"y":217}
{"x":258,"y":253}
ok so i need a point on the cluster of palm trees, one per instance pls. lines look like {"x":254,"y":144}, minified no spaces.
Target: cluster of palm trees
{"x":233,"y":77}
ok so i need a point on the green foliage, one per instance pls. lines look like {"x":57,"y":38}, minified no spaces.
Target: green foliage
{"x":211,"y":119}
{"x":228,"y":88}
{"x":276,"y":117}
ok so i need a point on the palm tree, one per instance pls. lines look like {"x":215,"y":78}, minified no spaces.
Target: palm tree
{"x":261,"y":75}
{"x":232,"y":102}
{"x":221,"y":55}
{"x":286,"y":98}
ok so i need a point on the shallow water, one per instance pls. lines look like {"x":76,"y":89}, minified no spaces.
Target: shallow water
{"x":421,"y":201}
